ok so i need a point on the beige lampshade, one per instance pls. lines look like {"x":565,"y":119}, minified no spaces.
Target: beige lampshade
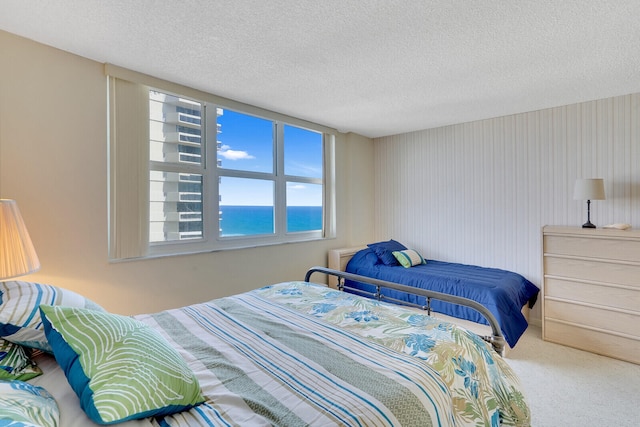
{"x":589,"y":189}
{"x":17,"y":254}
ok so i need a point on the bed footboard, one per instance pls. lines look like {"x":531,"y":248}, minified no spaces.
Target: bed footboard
{"x":496,"y":338}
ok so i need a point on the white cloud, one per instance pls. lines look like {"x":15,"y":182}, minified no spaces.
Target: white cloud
{"x":297,"y":187}
{"x":235,"y":154}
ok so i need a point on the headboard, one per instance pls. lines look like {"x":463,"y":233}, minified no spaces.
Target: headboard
{"x":338,"y":259}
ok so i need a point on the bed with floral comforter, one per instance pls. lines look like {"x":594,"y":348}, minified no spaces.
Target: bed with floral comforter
{"x":297,"y":353}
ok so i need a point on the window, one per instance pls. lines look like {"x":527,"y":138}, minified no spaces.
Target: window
{"x":214,"y":174}
{"x":176,"y":168}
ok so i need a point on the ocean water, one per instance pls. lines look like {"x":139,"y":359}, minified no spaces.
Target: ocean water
{"x":247,"y":220}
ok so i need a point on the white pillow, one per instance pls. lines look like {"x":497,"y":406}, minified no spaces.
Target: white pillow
{"x":20,"y":320}
{"x":23,"y":404}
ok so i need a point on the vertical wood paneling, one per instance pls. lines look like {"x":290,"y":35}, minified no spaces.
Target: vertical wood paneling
{"x":480,"y":192}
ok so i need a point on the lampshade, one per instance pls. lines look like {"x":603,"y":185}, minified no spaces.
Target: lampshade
{"x":17,"y":254}
{"x":589,"y":189}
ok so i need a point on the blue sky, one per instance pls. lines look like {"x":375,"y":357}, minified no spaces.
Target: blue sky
{"x":246,"y":144}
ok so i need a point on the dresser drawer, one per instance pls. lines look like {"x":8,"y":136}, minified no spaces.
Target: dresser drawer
{"x":591,"y":290}
{"x":611,"y":249}
{"x":595,"y":317}
{"x":589,"y":270}
{"x":608,"y":296}
{"x":597,"y":342}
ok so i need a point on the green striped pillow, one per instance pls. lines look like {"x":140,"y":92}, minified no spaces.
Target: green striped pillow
{"x":409,"y":258}
{"x":120,"y":368}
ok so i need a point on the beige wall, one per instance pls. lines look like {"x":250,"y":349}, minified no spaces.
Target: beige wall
{"x":53,"y":161}
{"x":479,"y":193}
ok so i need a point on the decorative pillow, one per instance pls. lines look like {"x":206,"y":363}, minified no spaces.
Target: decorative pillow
{"x":23,"y":404}
{"x":15,"y":363}
{"x":120,"y":368}
{"x":384,"y":251}
{"x":409,"y":258}
{"x":19,"y":315}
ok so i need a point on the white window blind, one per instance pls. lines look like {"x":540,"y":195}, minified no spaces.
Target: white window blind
{"x":129,"y":158}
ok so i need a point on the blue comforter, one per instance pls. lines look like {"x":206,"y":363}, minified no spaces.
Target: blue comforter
{"x":503,"y":292}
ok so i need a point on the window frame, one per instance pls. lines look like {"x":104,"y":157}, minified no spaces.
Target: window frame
{"x":211,"y":173}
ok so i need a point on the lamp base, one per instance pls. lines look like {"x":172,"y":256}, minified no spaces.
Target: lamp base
{"x":588,"y":225}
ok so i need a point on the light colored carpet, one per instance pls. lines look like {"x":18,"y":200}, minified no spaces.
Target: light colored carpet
{"x":566,"y":387}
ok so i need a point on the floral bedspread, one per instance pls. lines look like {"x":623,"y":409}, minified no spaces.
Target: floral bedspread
{"x":484,"y":389}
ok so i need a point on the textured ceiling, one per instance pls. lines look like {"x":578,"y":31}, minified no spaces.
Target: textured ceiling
{"x":372,"y":67}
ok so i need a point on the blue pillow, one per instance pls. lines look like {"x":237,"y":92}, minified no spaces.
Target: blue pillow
{"x":384,"y":251}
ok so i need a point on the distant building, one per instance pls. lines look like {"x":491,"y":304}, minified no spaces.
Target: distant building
{"x":176,"y":155}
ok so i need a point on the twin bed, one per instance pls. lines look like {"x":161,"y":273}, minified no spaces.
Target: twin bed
{"x":507,"y":295}
{"x":294,"y":353}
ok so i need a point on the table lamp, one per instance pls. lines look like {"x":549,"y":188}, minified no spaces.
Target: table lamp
{"x":589,"y":189}
{"x":17,"y":254}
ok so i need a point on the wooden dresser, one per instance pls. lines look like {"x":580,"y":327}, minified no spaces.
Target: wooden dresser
{"x":591,"y":290}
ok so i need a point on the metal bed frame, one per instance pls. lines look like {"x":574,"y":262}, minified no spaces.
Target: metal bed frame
{"x":496,"y":339}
